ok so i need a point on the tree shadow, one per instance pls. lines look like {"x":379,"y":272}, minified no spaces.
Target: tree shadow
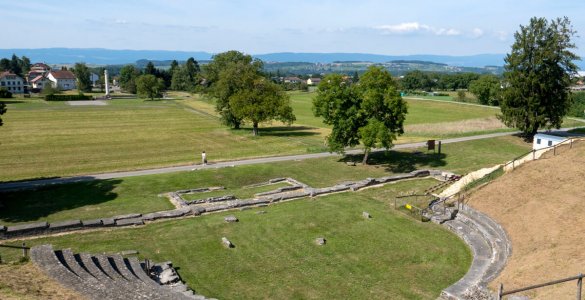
{"x":11,"y":101}
{"x":284,"y":131}
{"x":33,"y":205}
{"x":400,"y":161}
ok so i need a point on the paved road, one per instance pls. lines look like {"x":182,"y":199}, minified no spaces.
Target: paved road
{"x":60,"y":180}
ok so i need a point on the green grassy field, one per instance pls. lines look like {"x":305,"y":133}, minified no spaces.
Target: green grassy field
{"x":390,"y":256}
{"x":105,"y":198}
{"x":47,"y":139}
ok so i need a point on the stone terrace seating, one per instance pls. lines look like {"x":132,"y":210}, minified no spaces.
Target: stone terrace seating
{"x":103,"y":276}
{"x":491,"y":248}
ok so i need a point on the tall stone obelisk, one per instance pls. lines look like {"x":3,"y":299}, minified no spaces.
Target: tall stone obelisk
{"x":107,"y":82}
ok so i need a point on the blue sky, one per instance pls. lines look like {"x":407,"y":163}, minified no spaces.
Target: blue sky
{"x":445,"y":27}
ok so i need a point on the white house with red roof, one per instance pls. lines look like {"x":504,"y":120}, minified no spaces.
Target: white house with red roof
{"x":39,"y":82}
{"x":63,"y":79}
{"x":36,"y":70}
{"x":12,"y":82}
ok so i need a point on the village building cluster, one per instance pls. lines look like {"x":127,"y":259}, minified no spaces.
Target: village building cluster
{"x":39,"y":77}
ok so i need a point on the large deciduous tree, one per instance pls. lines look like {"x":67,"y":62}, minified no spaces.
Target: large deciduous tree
{"x":128,"y":75}
{"x":185,"y":77}
{"x":262,"y":101}
{"x":487,"y":89}
{"x":538,"y":75}
{"x":83,"y":76}
{"x":371,"y":111}
{"x":226,"y":75}
{"x":148,"y":86}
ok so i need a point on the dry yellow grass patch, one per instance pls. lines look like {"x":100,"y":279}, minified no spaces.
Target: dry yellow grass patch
{"x":540,"y":205}
{"x":26,"y":281}
{"x":472,"y":125}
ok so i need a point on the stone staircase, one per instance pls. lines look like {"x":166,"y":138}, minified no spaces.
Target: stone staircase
{"x":100,"y":276}
{"x":490,"y":247}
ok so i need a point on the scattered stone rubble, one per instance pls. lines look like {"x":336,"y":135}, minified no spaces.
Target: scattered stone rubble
{"x":320,"y":241}
{"x":227,"y":243}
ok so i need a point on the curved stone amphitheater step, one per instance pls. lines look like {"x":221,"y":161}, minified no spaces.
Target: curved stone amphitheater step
{"x":104,"y":277}
{"x":490,"y":246}
{"x":496,"y":235}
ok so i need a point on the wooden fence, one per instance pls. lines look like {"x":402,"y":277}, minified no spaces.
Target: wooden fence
{"x":578,"y":278}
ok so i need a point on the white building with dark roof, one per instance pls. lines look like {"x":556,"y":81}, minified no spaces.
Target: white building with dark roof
{"x":63,"y":80}
{"x":12,"y":82}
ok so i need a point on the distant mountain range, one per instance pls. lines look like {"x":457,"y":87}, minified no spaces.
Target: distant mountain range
{"x":98,"y":56}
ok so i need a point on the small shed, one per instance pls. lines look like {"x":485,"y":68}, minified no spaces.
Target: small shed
{"x":542,"y":140}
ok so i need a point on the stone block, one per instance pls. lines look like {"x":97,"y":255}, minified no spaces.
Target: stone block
{"x":226,"y":243}
{"x":65,"y":225}
{"x":108,"y":222}
{"x":350,"y":163}
{"x":289,"y":188}
{"x":339,"y":188}
{"x":420,"y":173}
{"x":27,"y":229}
{"x":366,"y":215}
{"x":129,"y":222}
{"x":220,"y":199}
{"x":151,"y":216}
{"x":216,"y":208}
{"x":197,"y":210}
{"x":2,"y":228}
{"x":231,"y":219}
{"x":92,"y":223}
{"x":128,"y":252}
{"x":320,"y":241}
{"x":128,"y":216}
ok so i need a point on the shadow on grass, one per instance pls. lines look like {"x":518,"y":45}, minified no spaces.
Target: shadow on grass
{"x":283,"y":131}
{"x":35,"y":205}
{"x":11,"y":101}
{"x":400,"y":161}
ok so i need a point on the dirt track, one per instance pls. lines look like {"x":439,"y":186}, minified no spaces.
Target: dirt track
{"x":542,"y":207}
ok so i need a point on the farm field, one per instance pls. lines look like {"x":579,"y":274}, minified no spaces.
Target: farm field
{"x":106,"y":198}
{"x":47,"y":139}
{"x":390,"y":256}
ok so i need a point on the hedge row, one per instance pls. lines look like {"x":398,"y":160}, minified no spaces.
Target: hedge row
{"x":68,"y":97}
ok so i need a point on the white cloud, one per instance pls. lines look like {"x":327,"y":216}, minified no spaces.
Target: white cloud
{"x":501,"y":35}
{"x":416,"y":27}
{"x":477,"y":32}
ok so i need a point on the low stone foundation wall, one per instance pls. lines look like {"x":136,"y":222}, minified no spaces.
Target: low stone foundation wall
{"x":184,"y":208}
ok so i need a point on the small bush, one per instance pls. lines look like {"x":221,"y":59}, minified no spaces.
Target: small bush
{"x":461,"y":95}
{"x":68,"y":97}
{"x":5,"y":94}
